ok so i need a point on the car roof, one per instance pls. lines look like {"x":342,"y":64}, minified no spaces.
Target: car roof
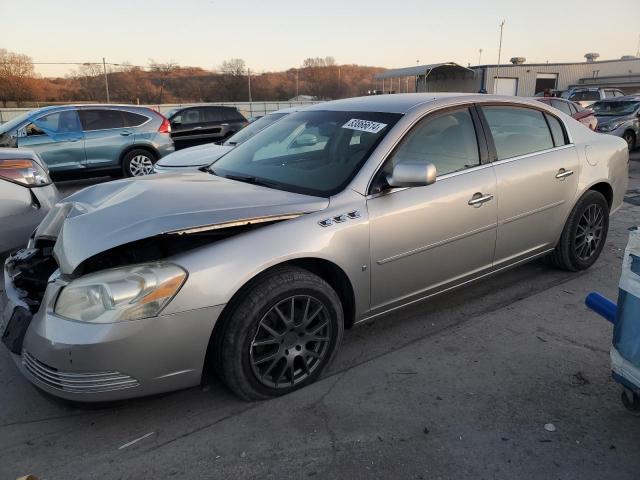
{"x":626,"y":98}
{"x":59,"y":108}
{"x":392,"y":103}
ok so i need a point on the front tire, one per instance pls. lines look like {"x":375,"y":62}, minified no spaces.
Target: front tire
{"x":138,"y":163}
{"x":584,"y":234}
{"x":280,"y":336}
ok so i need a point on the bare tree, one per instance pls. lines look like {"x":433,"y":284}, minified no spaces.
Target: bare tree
{"x":233,"y":79}
{"x":16,"y":77}
{"x":234,"y":66}
{"x":164,"y":69}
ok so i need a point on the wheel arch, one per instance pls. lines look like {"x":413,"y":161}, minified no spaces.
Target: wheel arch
{"x":138,"y":146}
{"x":605,"y":189}
{"x":329,"y":271}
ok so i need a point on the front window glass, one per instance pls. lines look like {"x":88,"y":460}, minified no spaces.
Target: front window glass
{"x":59,"y":122}
{"x":517,"y":131}
{"x":253,"y":128}
{"x":562,"y":106}
{"x":615,"y":108}
{"x":308,"y":152}
{"x":446,"y":140}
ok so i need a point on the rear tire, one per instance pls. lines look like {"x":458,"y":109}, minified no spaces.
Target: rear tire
{"x":138,"y":162}
{"x":280,"y":336}
{"x":584,"y":234}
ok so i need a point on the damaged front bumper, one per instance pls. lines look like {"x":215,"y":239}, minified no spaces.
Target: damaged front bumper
{"x":97,"y":362}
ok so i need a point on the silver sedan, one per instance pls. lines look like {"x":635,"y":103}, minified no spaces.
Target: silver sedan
{"x":26,"y":195}
{"x":330,"y":217}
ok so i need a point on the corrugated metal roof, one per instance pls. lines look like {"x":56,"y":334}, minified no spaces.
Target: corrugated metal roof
{"x":420,"y":70}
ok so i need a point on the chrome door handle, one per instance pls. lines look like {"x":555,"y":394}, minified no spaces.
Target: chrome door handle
{"x":562,"y":174}
{"x":125,"y":134}
{"x":478,"y":199}
{"x":197,"y":128}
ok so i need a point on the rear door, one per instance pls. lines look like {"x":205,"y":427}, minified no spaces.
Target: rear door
{"x":105,"y":136}
{"x":57,"y":137}
{"x":537,"y":171}
{"x":187,"y":126}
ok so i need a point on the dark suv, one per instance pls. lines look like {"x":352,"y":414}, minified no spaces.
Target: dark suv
{"x":204,"y":124}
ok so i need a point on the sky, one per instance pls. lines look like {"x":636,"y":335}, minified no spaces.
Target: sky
{"x":273,"y":35}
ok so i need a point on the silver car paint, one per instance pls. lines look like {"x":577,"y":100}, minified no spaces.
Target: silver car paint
{"x":22,"y":208}
{"x":189,"y":159}
{"x":443,"y":242}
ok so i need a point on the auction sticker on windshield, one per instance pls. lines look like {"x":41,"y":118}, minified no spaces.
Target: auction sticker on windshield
{"x":364,"y":125}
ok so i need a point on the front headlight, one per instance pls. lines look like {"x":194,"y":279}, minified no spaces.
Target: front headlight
{"x":24,"y":171}
{"x":120,"y":294}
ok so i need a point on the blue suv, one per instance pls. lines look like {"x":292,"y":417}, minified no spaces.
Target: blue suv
{"x":92,"y":137}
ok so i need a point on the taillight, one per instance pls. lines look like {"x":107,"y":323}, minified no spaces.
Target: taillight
{"x":24,"y":171}
{"x":165,"y":126}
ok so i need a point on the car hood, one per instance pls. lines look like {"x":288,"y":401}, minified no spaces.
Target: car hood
{"x":194,"y":156}
{"x":111,"y":214}
{"x":606,"y":119}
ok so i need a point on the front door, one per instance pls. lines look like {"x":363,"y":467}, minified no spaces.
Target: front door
{"x":105,"y":136}
{"x":537,"y":172}
{"x":424,"y":239}
{"x":57,"y":138}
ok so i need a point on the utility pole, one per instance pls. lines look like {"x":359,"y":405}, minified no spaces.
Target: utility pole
{"x":499,"y":54}
{"x":638,"y":51}
{"x":480,"y":57}
{"x":249,"y":81}
{"x":106,"y":78}
{"x":297,"y":80}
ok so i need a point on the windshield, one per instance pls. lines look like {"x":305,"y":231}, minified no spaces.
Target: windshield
{"x":254,"y":127}
{"x":616,"y":108}
{"x":584,"y":96}
{"x":14,"y":122}
{"x":315,"y":153}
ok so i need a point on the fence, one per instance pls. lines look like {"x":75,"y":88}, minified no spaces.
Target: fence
{"x":248,"y":109}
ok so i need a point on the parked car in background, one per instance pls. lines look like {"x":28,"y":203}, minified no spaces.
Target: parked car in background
{"x":202,"y":155}
{"x":257,"y":266}
{"x":619,"y":116}
{"x":585,"y":96}
{"x":92,"y":138}
{"x":26,"y":196}
{"x":196,"y":125}
{"x":574,"y":110}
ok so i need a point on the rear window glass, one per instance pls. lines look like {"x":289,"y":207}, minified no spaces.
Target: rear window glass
{"x":133,"y":119}
{"x":557,"y":132}
{"x":517,"y":131}
{"x":101,"y":119}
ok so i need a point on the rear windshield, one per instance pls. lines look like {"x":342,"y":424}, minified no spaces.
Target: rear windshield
{"x":585,"y":96}
{"x":14,"y":122}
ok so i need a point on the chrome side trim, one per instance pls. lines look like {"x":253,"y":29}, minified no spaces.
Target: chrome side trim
{"x":532,"y":154}
{"x":436,"y":244}
{"x":531,"y":212}
{"x":77,"y":382}
{"x":454,"y":286}
{"x":239,"y":223}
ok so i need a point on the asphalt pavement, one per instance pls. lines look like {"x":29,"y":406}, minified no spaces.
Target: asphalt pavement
{"x":460,"y":386}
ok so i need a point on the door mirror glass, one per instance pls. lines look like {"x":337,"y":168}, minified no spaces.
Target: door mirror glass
{"x":412,"y":173}
{"x":305,"y":140}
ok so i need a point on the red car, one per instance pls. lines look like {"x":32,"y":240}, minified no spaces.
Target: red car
{"x":583,"y":115}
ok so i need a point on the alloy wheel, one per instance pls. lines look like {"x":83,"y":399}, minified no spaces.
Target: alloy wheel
{"x":589,"y":233}
{"x":292,"y":340}
{"x":140,"y":165}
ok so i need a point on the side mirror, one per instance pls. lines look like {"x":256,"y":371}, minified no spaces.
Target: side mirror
{"x":411,"y":173}
{"x":306,"y":140}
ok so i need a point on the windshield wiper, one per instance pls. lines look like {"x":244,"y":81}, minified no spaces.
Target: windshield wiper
{"x":252,"y":180}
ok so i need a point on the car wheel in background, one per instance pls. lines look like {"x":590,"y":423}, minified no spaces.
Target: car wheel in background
{"x":630,"y":138}
{"x":584,"y":234}
{"x":138,"y":162}
{"x":280,"y":335}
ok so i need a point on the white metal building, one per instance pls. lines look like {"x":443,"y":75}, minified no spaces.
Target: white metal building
{"x":517,"y":78}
